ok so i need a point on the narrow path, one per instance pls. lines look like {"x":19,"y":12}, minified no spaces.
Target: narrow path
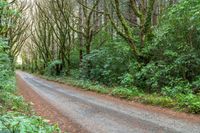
{"x":86,"y":113}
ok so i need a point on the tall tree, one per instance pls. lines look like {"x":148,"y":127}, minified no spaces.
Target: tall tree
{"x":143,"y":10}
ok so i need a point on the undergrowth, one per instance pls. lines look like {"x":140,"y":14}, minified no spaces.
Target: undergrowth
{"x":185,"y":103}
{"x":16,"y":115}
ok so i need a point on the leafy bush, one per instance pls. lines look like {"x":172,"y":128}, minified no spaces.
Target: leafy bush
{"x":107,"y":64}
{"x":178,"y":86}
{"x":87,"y":85}
{"x":152,"y":77}
{"x":16,"y":122}
{"x":189,"y":102}
{"x":127,"y":80}
{"x":54,"y":68}
{"x":13,"y":102}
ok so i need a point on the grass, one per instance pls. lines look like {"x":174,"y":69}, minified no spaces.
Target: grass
{"x":184,"y":103}
{"x":126,"y":93}
{"x":162,"y":101}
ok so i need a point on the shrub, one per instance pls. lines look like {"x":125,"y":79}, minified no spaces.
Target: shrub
{"x":106,"y":65}
{"x":54,"y":68}
{"x":178,"y":86}
{"x":189,"y":102}
{"x":13,"y":102}
{"x":152,"y":77}
{"x":16,"y":122}
{"x":127,"y":80}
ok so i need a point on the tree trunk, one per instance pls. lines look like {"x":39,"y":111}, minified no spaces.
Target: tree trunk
{"x":88,"y":49}
{"x":80,"y":35}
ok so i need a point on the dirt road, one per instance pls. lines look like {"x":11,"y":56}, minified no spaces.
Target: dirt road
{"x":95,"y":114}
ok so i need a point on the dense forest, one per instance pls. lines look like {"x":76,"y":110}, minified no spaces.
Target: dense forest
{"x":135,"y":47}
{"x":142,"y":50}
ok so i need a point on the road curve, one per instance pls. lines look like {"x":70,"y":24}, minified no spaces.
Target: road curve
{"x":99,"y":115}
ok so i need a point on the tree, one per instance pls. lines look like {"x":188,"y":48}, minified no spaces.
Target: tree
{"x":17,"y":32}
{"x":143,"y":10}
{"x":90,"y":22}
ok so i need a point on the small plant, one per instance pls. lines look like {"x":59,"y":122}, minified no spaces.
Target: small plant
{"x":16,"y":122}
{"x":178,"y":89}
{"x":127,"y":80}
{"x":189,"y":102}
{"x":14,"y":102}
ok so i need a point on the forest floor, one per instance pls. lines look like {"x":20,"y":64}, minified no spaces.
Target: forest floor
{"x":79,"y":111}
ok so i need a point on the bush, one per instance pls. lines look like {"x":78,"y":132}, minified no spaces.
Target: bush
{"x":189,"y":102}
{"x":178,"y":86}
{"x":13,"y":102}
{"x":127,"y":80}
{"x":16,"y":122}
{"x":54,"y":68}
{"x":106,"y":65}
{"x":152,"y":77}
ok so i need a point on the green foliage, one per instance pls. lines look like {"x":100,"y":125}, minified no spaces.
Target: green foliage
{"x":6,"y":75}
{"x":151,"y":77}
{"x":54,"y":68}
{"x":87,"y":85}
{"x":126,"y":93}
{"x":174,"y":59}
{"x":107,"y":64}
{"x":177,"y":100}
{"x":196,"y":85}
{"x":9,"y":101}
{"x":158,"y":100}
{"x":178,"y":86}
{"x":167,"y":68}
{"x":5,"y":13}
{"x":127,"y":80}
{"x":13,"y":102}
{"x":16,"y":122}
{"x":189,"y":102}
{"x":98,"y":88}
